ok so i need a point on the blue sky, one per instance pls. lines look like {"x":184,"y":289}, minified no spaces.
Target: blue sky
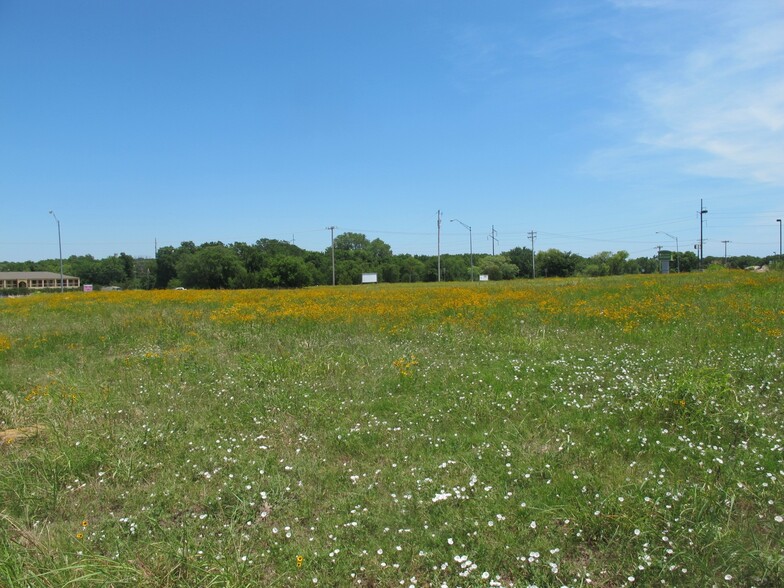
{"x":594,"y":123}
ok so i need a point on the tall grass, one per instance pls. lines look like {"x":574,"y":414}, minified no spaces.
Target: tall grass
{"x":621,"y":431}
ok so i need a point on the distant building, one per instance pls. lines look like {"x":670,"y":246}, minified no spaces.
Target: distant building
{"x":36,"y":280}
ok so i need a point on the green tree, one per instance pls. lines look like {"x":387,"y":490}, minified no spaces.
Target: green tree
{"x":288,"y":271}
{"x":273,"y":247}
{"x":601,"y":261}
{"x":355,"y":254}
{"x":111,"y":272}
{"x":144,"y":273}
{"x":350,"y":242}
{"x":86,"y":267}
{"x":377,"y":252}
{"x":605,"y":263}
{"x":212,"y":266}
{"x":744,"y":261}
{"x":689,"y":261}
{"x":617,"y":263}
{"x":430,"y":263}
{"x":165,"y":265}
{"x":554,"y":263}
{"x":522,"y":258}
{"x":348,"y":271}
{"x":646,"y":265}
{"x":411,"y":269}
{"x":455,"y":268}
{"x":498,"y":267}
{"x":128,"y":267}
{"x":251,"y":257}
{"x":322,"y":266}
{"x":390,"y":272}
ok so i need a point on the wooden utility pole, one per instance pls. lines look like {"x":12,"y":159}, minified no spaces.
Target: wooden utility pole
{"x":532,"y":236}
{"x":332,"y":233}
{"x":439,"y":245}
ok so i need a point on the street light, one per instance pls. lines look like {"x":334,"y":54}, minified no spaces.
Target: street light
{"x":778,"y":220}
{"x":60,"y":244}
{"x":677,"y":253}
{"x":470,"y":244}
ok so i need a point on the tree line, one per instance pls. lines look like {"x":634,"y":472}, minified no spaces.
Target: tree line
{"x":271,"y":263}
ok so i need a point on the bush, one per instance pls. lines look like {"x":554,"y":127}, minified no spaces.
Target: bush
{"x":715,"y":267}
{"x":776,"y":266}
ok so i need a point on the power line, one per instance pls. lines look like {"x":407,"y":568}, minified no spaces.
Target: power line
{"x":593,"y":239}
{"x":634,"y":227}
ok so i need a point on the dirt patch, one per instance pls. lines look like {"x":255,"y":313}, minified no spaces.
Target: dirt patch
{"x":12,"y":435}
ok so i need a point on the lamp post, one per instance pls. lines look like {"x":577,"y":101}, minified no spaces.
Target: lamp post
{"x":677,"y":253}
{"x":470,"y":244}
{"x":778,"y":220}
{"x":60,"y":244}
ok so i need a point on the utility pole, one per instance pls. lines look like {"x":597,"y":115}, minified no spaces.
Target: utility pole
{"x":60,"y":244}
{"x":778,"y":220}
{"x":492,"y":237}
{"x":332,"y":232}
{"x":702,"y":212}
{"x":439,"y":245}
{"x":725,"y":251}
{"x":532,"y":236}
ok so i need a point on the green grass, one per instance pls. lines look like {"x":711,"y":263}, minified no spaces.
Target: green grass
{"x":548,"y":433}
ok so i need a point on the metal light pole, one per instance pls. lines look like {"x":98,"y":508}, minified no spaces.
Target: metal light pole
{"x":778,"y":220}
{"x":470,"y":244}
{"x":60,"y":244}
{"x":677,"y":253}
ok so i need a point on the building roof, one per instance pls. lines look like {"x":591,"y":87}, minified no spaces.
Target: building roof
{"x":33,"y":276}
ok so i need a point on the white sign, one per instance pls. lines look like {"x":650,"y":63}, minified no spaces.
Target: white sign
{"x":484,"y":278}
{"x":369,"y":278}
{"x":88,"y":287}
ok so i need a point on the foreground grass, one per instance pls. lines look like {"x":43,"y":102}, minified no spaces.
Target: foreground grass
{"x":578,"y":432}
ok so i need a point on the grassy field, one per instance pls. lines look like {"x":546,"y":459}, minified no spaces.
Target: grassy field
{"x":608,"y":432}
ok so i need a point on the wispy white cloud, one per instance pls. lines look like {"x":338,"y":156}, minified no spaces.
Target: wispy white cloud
{"x":721,"y":101}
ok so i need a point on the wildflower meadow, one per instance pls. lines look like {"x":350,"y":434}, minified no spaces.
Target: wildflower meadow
{"x":623,"y":431}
